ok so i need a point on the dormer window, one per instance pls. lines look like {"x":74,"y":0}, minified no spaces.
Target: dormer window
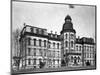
{"x":40,"y":31}
{"x":37,"y":31}
{"x":32,"y":30}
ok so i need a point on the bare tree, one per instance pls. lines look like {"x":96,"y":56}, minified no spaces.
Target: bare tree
{"x":16,"y":48}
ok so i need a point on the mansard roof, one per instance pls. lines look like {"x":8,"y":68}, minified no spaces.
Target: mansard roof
{"x":50,"y":36}
{"x":84,"y":40}
{"x":87,"y":40}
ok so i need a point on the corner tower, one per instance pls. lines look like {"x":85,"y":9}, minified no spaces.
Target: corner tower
{"x":68,"y":36}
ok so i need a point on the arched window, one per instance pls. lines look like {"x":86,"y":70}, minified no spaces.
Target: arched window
{"x":54,"y":61}
{"x":44,"y":43}
{"x":58,"y":45}
{"x":80,"y":48}
{"x":66,"y":36}
{"x":66,"y":43}
{"x":53,"y":44}
{"x":34,"y":42}
{"x":72,"y":36}
{"x":29,"y":61}
{"x":77,"y":47}
{"x":72,"y":44}
{"x":72,"y":58}
{"x":78,"y":58}
{"x":40,"y":42}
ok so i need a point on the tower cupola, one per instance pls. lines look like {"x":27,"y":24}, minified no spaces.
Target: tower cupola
{"x":68,"y":25}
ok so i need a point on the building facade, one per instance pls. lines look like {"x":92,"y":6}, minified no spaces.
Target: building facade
{"x":37,"y":47}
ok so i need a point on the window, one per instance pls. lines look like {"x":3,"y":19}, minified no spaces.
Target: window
{"x":66,"y":43}
{"x":40,"y":42}
{"x":84,"y":47}
{"x":44,"y":43}
{"x":37,"y":31}
{"x":34,"y":51}
{"x":77,"y":48}
{"x":78,"y":58}
{"x":72,"y":44}
{"x":34,"y":62}
{"x":87,"y":55}
{"x":72,"y":58}
{"x":29,"y":51}
{"x":58,"y":54}
{"x":53,"y":53}
{"x":54,"y":61}
{"x":44,"y":52}
{"x":49,"y":44}
{"x":87,"y":48}
{"x":66,"y":36}
{"x":29,"y":61}
{"x":29,"y":41}
{"x":34,"y":42}
{"x":80,"y":48}
{"x":40,"y":60}
{"x":42,"y":31}
{"x":40,"y":52}
{"x":54,"y":45}
{"x":32,"y":30}
{"x":90,"y":48}
{"x":58,"y":61}
{"x":90,"y":55}
{"x":72,"y":36}
{"x":58,"y":45}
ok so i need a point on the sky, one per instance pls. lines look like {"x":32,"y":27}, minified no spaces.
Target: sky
{"x":51,"y":17}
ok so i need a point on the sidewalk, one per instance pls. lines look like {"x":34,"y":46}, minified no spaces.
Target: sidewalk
{"x":28,"y":71}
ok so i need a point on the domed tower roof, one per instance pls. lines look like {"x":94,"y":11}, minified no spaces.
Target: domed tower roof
{"x":68,"y":25}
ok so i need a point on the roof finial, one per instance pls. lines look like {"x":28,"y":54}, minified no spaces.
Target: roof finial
{"x":68,"y":18}
{"x":51,"y":31}
{"x":24,"y":24}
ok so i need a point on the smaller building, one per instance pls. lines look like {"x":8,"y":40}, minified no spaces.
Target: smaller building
{"x":88,"y":51}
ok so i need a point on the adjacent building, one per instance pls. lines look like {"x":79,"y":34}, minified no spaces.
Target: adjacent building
{"x":38,"y":46}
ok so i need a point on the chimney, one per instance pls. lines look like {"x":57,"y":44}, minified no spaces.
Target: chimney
{"x":51,"y":33}
{"x":78,"y":38}
{"x":55,"y":34}
{"x":24,"y":24}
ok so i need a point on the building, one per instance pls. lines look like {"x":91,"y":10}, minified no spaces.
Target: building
{"x":38,"y":46}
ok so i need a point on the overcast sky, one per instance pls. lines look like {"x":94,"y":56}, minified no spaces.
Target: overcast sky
{"x":51,"y":17}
